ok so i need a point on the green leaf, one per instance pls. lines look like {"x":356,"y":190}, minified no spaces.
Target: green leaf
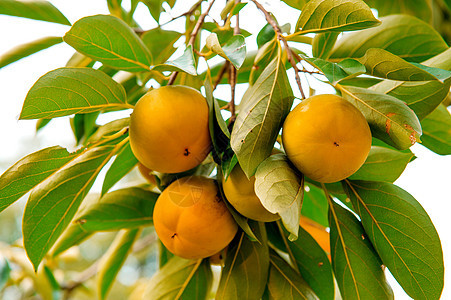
{"x":314,"y":205}
{"x":84,"y":125}
{"x":263,"y":109}
{"x":164,"y":254}
{"x":402,"y":234}
{"x":109,"y":130}
{"x":66,"y":91}
{"x":336,"y":72}
{"x":112,"y":261}
{"x":383,"y":64}
{"x":403,"y":35}
{"x":160,"y":43}
{"x":286,"y":283}
{"x":323,"y":43}
{"x":383,"y":164}
{"x":363,"y":82}
{"x":335,"y":15}
{"x":111,"y":41}
{"x":185,"y":63}
{"x":390,"y":119}
{"x":5,"y":270}
{"x":120,"y":209}
{"x":48,"y":213}
{"x":27,"y":49}
{"x":180,"y":279}
{"x":123,"y":163}
{"x":155,"y":8}
{"x":437,"y":132}
{"x":265,"y":35}
{"x":219,"y":133}
{"x":234,"y":49}
{"x":280,"y":189}
{"x":246,"y":267}
{"x":419,"y":8}
{"x":422,"y":96}
{"x":313,"y":265}
{"x":74,"y":234}
{"x":237,"y":8}
{"x":264,"y":56}
{"x":36,"y":10}
{"x":357,"y":266}
{"x":30,"y":171}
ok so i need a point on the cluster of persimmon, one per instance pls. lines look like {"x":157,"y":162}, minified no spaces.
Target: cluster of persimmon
{"x":325,"y":137}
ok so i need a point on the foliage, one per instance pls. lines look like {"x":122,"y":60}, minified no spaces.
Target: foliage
{"x":396,"y":70}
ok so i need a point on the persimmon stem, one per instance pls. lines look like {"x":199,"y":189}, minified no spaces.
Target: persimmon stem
{"x":193,"y":36}
{"x":221,"y":73}
{"x":280,"y":37}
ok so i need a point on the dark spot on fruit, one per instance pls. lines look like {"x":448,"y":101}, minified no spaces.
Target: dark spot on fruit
{"x":336,"y":144}
{"x":186,"y":153}
{"x":173,"y":236}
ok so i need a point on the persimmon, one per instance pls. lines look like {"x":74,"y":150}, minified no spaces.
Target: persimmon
{"x":318,"y":232}
{"x":239,"y":191}
{"x":326,"y":138}
{"x":192,"y":220}
{"x":169,"y":129}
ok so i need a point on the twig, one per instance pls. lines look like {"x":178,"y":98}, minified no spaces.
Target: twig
{"x":224,"y":68}
{"x":232,"y":72}
{"x":193,"y":36}
{"x":188,"y":13}
{"x":278,"y":32}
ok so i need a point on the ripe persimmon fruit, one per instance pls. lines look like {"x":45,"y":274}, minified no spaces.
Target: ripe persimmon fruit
{"x":326,"y":138}
{"x":192,"y":220}
{"x":169,"y":129}
{"x":239,"y":191}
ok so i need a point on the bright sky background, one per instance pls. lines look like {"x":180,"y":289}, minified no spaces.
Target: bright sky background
{"x":427,"y":178}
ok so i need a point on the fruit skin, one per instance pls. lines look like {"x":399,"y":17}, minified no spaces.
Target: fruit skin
{"x":326,"y":138}
{"x":318,"y":232}
{"x":169,"y":129}
{"x":191,"y":220}
{"x":239,"y":191}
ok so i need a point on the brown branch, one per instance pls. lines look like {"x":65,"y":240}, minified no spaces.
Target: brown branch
{"x":193,"y":36}
{"x":279,"y":35}
{"x":188,"y":13}
{"x":221,"y":73}
{"x":233,"y":73}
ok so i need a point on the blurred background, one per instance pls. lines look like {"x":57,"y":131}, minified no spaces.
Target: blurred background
{"x":427,"y":178}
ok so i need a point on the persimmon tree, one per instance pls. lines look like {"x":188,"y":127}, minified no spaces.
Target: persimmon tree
{"x":394,"y":70}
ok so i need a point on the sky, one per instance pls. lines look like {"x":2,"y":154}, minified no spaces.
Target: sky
{"x":427,"y":178}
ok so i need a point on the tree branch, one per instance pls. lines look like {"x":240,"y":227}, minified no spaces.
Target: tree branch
{"x":279,"y":35}
{"x":193,"y":36}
